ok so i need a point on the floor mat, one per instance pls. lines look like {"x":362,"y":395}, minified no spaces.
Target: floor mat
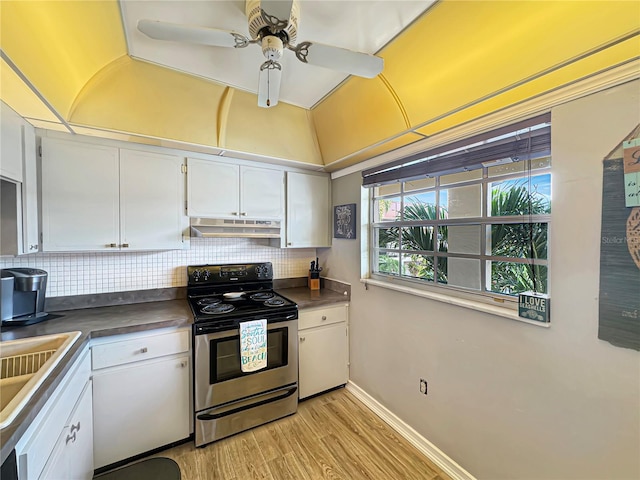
{"x":150,"y":469}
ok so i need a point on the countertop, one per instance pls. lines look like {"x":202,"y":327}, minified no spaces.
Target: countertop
{"x":306,"y":298}
{"x":114,"y":320}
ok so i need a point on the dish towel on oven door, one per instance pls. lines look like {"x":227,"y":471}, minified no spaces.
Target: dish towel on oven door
{"x":253,"y":345}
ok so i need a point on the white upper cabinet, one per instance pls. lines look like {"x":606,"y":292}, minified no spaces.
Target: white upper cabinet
{"x":18,"y":186}
{"x":308,"y":210}
{"x":151,"y":200}
{"x":10,"y":143}
{"x":261,"y":193}
{"x":30,"y":230}
{"x":80,"y":196}
{"x":98,"y":197}
{"x":226,"y":190}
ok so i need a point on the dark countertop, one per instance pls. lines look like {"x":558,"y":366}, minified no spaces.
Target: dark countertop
{"x":114,"y":320}
{"x":92,"y":323}
{"x":306,"y":298}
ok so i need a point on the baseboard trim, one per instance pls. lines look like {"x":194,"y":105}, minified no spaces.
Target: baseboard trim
{"x":437,"y":456}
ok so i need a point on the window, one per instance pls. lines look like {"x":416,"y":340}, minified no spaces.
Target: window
{"x":469,"y":219}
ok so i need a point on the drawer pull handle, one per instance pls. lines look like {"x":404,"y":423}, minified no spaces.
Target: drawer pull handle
{"x":302,"y":339}
{"x":144,"y":350}
{"x":324,"y":317}
{"x":70,"y":438}
{"x":75,"y":428}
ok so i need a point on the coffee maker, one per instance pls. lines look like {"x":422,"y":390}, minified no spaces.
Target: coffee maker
{"x":22,"y":295}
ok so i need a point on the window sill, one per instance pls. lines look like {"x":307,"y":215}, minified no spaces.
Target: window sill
{"x":460,"y":302}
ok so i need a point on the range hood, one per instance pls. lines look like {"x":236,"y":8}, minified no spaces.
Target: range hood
{"x":229,"y":228}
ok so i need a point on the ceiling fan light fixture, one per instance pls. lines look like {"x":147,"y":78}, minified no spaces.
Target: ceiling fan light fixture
{"x":272,"y":47}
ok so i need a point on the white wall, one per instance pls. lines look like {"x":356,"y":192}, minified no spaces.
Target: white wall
{"x":83,"y":273}
{"x":509,"y":400}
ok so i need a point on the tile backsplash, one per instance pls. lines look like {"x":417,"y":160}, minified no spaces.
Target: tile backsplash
{"x":98,"y":272}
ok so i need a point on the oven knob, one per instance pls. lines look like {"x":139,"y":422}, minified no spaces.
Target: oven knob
{"x":206,"y":275}
{"x":196,"y":275}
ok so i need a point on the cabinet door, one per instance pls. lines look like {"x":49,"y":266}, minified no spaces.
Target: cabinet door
{"x":80,"y":190}
{"x":151,"y":201}
{"x":308,"y":207}
{"x":29,"y":191}
{"x":10,"y":143}
{"x":139,"y":407}
{"x":323,"y":357}
{"x":72,"y":457}
{"x":213,"y":189}
{"x":262,"y":191}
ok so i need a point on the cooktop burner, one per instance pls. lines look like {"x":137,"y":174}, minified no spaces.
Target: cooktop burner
{"x":208,"y":301}
{"x":218,"y":309}
{"x":261,"y":296}
{"x":274,"y":302}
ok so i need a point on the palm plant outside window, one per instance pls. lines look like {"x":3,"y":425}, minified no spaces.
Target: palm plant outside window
{"x":481,"y":230}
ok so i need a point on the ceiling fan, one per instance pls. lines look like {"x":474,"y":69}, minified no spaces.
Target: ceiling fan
{"x":274,"y":25}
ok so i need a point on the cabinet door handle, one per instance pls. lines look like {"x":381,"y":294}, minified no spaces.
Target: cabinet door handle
{"x":33,"y":247}
{"x":302,"y":339}
{"x":125,"y":245}
{"x":289,"y":243}
{"x":234,"y":214}
{"x":112,"y":245}
{"x":243,"y":214}
{"x":75,"y":428}
{"x":183,"y":364}
{"x":144,"y":350}
{"x":70,"y":438}
{"x":324,"y":317}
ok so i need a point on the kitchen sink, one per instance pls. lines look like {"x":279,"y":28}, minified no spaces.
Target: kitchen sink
{"x":25,"y":364}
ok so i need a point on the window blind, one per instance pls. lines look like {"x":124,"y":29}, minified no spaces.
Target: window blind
{"x":526,"y":140}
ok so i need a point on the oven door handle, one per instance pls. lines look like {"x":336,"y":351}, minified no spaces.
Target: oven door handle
{"x":214,"y":416}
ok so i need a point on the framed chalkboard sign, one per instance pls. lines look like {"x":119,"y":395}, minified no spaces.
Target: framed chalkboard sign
{"x":344,"y":221}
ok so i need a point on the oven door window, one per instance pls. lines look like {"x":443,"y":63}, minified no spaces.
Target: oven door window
{"x":225,"y":355}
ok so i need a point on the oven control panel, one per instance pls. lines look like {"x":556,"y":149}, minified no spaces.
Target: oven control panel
{"x":229,"y":273}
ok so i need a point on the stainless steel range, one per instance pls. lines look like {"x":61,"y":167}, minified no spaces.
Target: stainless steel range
{"x":226,"y":399}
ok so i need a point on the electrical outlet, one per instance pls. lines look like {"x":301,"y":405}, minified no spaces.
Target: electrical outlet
{"x":423,"y":386}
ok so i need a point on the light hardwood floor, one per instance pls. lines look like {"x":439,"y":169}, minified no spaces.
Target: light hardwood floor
{"x":333,"y":436}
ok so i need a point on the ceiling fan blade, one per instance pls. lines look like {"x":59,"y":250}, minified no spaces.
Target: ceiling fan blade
{"x":269,"y":84}
{"x":341,"y":59}
{"x":276,"y":12}
{"x":176,"y":32}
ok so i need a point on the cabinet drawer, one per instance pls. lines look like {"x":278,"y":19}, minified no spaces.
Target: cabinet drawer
{"x":309,"y":318}
{"x":143,"y":348}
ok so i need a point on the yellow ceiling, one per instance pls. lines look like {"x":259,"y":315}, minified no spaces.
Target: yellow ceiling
{"x":459,"y":61}
{"x":60,"y":45}
{"x":465,"y":59}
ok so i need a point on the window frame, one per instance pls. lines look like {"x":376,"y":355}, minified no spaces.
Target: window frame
{"x":484,"y":221}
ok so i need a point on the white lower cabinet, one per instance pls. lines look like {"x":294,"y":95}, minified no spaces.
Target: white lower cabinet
{"x":59,"y":442}
{"x":323,"y":349}
{"x":141,"y":394}
{"x":72,"y":457}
